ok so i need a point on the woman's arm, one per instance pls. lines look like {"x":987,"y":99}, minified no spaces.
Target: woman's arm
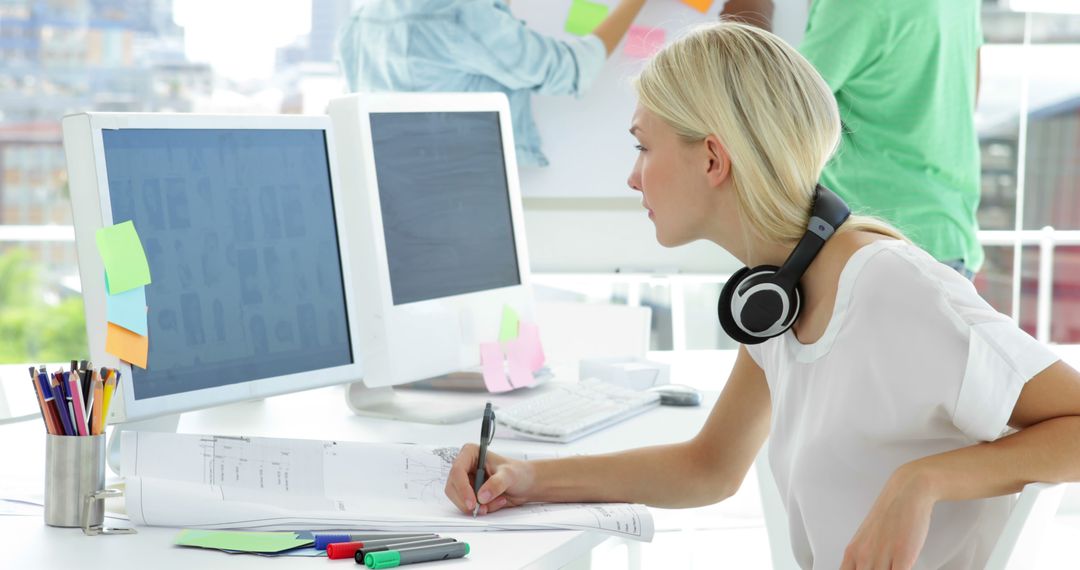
{"x":614,"y":27}
{"x":706,"y":469}
{"x":1046,"y":449}
{"x":754,"y":12}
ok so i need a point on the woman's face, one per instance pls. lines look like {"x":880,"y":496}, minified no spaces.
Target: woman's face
{"x":678,"y":180}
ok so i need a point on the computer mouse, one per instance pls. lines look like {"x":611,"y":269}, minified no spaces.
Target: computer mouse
{"x":677,"y":395}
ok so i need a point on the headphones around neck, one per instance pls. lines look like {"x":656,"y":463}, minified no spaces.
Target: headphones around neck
{"x":760,"y":303}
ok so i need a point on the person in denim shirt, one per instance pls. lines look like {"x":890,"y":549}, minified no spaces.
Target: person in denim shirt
{"x":474,"y":46}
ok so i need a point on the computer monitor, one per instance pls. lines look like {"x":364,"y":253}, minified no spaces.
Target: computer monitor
{"x":434,"y":202}
{"x":245,"y":234}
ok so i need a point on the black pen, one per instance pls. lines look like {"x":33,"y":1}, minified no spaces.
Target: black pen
{"x":487,"y":431}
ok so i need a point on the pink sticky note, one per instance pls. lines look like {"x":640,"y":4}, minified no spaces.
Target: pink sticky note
{"x":491,"y":360}
{"x":643,"y":41}
{"x":529,"y":335}
{"x":517,"y":356}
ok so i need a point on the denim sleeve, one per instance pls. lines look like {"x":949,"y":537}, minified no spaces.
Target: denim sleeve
{"x":501,"y":47}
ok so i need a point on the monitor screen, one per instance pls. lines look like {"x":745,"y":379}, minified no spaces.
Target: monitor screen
{"x":445,"y":203}
{"x":239,"y":231}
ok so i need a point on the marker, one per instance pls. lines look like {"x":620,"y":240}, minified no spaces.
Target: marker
{"x":360,"y":554}
{"x":321,"y":540}
{"x":348,"y":549}
{"x":395,"y":558}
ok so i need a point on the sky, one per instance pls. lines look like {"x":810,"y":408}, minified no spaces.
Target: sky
{"x":239,"y":38}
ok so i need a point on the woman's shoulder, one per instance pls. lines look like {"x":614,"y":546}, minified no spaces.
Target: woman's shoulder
{"x":896,"y":276}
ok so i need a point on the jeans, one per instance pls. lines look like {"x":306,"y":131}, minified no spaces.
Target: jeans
{"x":958,"y":265}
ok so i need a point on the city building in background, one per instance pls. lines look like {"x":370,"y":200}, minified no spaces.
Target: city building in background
{"x":64,"y":56}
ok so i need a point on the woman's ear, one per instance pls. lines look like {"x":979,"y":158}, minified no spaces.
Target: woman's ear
{"x":719,"y":168}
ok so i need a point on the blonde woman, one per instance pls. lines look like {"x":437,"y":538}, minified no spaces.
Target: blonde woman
{"x":900,"y":407}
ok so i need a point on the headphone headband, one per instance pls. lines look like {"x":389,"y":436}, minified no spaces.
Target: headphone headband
{"x":826,"y":214}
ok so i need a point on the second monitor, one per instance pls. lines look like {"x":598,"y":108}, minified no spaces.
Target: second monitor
{"x":434,"y":199}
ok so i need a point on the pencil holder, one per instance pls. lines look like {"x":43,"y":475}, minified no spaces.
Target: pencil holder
{"x":74,"y":468}
{"x":75,"y":483}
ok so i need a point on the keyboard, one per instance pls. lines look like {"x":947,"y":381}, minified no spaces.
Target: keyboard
{"x":570,"y":411}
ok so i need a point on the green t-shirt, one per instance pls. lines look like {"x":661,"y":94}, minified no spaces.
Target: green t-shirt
{"x":904,"y":76}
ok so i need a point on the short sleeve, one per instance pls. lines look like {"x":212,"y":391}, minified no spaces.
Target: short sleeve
{"x":951,"y":348}
{"x":520,"y":58}
{"x":842,"y":38}
{"x":754,"y":350}
{"x":1001,"y":359}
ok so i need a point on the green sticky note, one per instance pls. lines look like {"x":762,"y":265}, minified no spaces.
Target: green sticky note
{"x":124,"y":258}
{"x":508,"y":330}
{"x":584,"y":16}
{"x":241,"y":541}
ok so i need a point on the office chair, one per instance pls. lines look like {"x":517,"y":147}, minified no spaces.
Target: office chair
{"x":1017,"y":548}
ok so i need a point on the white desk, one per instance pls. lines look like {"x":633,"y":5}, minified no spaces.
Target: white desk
{"x":322,"y":414}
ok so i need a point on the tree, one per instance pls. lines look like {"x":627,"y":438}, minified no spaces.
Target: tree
{"x":32,"y":330}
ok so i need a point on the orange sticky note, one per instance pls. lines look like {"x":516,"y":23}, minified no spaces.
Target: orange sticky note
{"x":126,"y":345}
{"x":699,"y":5}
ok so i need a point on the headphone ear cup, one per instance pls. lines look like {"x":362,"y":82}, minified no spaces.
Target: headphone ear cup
{"x":723,"y":308}
{"x":747,"y":277}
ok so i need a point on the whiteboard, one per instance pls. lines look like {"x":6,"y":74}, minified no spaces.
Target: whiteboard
{"x":587,"y":140}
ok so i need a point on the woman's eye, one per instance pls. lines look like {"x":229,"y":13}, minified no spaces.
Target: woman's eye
{"x":639,"y":148}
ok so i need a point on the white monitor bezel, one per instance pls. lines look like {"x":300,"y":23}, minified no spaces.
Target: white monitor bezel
{"x":92,"y":209}
{"x":397,"y":349}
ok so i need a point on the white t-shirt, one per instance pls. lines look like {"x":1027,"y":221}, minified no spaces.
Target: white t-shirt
{"x":913,"y":363}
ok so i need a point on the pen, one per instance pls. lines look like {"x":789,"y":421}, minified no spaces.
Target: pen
{"x":394,"y":558}
{"x":322,"y":540}
{"x":487,"y":431}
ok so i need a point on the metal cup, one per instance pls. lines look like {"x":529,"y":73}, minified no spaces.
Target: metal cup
{"x":74,"y":468}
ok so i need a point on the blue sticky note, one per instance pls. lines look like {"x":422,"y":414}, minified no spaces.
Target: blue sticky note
{"x":128,"y":310}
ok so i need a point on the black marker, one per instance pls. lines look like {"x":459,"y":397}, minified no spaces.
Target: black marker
{"x":360,"y":554}
{"x":395,"y":558}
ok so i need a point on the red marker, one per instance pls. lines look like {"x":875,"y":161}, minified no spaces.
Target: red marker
{"x":336,"y":550}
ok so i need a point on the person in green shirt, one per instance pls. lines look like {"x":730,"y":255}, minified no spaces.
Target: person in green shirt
{"x":905,"y":76}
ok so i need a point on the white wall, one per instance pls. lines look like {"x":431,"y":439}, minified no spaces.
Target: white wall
{"x":604,"y":235}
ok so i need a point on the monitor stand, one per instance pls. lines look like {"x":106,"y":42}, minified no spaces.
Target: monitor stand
{"x":419,"y":406}
{"x":167,"y":423}
{"x":449,"y":399}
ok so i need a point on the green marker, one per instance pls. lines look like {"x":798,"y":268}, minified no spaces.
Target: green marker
{"x":395,"y":558}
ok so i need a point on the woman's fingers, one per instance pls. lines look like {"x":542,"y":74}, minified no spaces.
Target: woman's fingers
{"x":495,"y":486}
{"x":458,"y":486}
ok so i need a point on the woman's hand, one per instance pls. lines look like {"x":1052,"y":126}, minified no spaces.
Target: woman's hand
{"x":507,"y":484}
{"x":893,"y":534}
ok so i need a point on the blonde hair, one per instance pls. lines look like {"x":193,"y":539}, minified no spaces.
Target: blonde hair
{"x":775,"y":116}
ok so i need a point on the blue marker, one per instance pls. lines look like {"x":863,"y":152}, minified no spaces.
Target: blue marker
{"x":321,"y":540}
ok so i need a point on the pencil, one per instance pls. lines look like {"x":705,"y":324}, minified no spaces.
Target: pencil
{"x":98,"y":424}
{"x":49,"y":427}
